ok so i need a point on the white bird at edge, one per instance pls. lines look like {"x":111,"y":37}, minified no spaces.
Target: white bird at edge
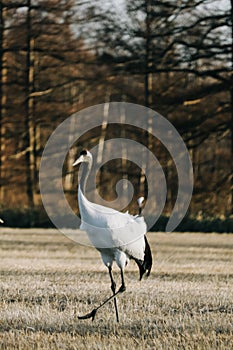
{"x":117,"y":236}
{"x":1,"y":221}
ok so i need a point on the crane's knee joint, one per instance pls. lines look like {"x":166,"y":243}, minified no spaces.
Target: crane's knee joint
{"x":113,"y":287}
{"x":122,"y":288}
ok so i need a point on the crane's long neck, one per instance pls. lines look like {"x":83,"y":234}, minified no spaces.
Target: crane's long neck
{"x":86,"y":167}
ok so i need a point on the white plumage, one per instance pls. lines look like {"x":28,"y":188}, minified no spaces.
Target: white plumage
{"x":109,"y":228}
{"x":118,"y":236}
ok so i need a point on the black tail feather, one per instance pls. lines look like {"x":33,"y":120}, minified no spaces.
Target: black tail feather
{"x":147,"y":257}
{"x":145,"y":265}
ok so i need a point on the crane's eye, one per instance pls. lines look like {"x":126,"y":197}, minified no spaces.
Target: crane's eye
{"x":83,"y":152}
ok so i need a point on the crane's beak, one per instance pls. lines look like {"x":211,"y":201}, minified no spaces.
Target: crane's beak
{"x":1,"y":221}
{"x":79,"y":160}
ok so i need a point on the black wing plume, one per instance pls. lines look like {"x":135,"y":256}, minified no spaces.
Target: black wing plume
{"x":145,"y":265}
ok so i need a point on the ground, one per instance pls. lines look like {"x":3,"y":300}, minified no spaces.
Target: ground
{"x":48,"y":280}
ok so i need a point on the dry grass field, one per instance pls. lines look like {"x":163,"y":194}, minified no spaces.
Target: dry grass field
{"x":47,"y":281}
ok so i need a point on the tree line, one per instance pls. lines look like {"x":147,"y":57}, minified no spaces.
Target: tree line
{"x":58,"y":57}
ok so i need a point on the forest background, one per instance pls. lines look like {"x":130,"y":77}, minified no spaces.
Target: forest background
{"x":58,"y":57}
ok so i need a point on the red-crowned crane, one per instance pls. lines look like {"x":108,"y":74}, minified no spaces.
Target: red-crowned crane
{"x":117,"y":236}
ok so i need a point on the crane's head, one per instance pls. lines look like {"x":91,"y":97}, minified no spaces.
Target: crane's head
{"x":84,"y":157}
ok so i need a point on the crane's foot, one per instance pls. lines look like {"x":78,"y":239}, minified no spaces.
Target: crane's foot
{"x":89,"y":315}
{"x":93,"y":312}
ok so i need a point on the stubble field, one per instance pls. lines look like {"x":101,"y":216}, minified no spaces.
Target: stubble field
{"x":47,"y":281}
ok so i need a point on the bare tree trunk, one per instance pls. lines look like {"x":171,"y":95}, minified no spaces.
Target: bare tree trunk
{"x":99,"y":159}
{"x":124,"y":153}
{"x":147,"y":91}
{"x":68,"y":182}
{"x":148,"y":60}
{"x":3,"y":80}
{"x":231,"y":212}
{"x":29,"y":118}
{"x":231,"y":92}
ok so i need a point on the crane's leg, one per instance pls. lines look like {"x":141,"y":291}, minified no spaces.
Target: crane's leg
{"x":113,"y":288}
{"x":122,"y":287}
{"x":113,"y":284}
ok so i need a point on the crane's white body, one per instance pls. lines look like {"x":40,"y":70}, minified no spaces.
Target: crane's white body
{"x":118,"y":236}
